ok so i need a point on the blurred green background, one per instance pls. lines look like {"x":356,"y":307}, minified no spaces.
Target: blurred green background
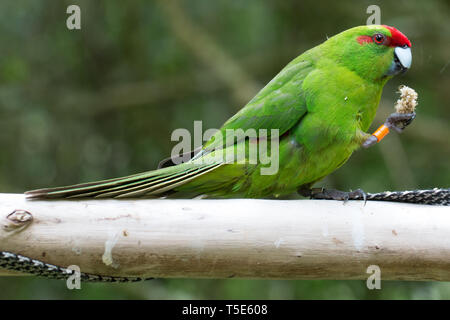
{"x":102,"y":102}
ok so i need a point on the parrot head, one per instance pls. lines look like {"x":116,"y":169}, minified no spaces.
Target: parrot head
{"x":375,"y":52}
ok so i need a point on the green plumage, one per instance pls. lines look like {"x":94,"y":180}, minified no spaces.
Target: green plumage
{"x":322,"y":103}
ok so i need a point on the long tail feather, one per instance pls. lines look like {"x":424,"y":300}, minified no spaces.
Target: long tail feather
{"x":148,"y":184}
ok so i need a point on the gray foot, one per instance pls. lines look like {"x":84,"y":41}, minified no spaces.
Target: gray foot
{"x":332,"y":194}
{"x":399,"y":121}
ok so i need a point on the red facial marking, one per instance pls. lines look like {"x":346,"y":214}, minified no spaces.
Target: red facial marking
{"x":364,"y":39}
{"x":397,"y":39}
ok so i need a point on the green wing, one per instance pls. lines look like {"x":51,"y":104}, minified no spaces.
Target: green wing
{"x":279,"y":105}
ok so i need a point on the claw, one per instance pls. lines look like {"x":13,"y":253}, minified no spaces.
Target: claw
{"x":345,"y":199}
{"x":359,"y":193}
{"x":408,"y":121}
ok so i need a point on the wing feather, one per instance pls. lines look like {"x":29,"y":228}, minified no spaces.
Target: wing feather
{"x":279,"y":105}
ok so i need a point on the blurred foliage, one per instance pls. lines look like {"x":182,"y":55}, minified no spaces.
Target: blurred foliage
{"x":102,"y":102}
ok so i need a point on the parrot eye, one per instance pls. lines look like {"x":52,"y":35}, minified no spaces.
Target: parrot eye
{"x":378,"y":38}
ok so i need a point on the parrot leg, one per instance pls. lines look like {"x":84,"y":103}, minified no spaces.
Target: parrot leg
{"x":396,"y":121}
{"x":371,"y":140}
{"x":332,"y":194}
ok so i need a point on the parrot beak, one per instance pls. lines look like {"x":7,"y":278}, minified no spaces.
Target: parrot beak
{"x":402,"y":61}
{"x":404,"y":56}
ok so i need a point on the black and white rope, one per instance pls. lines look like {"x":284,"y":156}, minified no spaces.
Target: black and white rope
{"x":434,"y":196}
{"x":17,"y":262}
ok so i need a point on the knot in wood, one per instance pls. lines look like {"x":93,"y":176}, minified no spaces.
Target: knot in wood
{"x":18,"y":219}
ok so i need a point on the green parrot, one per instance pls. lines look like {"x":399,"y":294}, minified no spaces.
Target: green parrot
{"x":310,"y":118}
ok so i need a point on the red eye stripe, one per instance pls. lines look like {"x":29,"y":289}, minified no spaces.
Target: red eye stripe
{"x":364,"y":39}
{"x":397,"y":38}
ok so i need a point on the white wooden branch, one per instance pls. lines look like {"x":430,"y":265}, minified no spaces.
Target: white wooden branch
{"x":297,"y":239}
